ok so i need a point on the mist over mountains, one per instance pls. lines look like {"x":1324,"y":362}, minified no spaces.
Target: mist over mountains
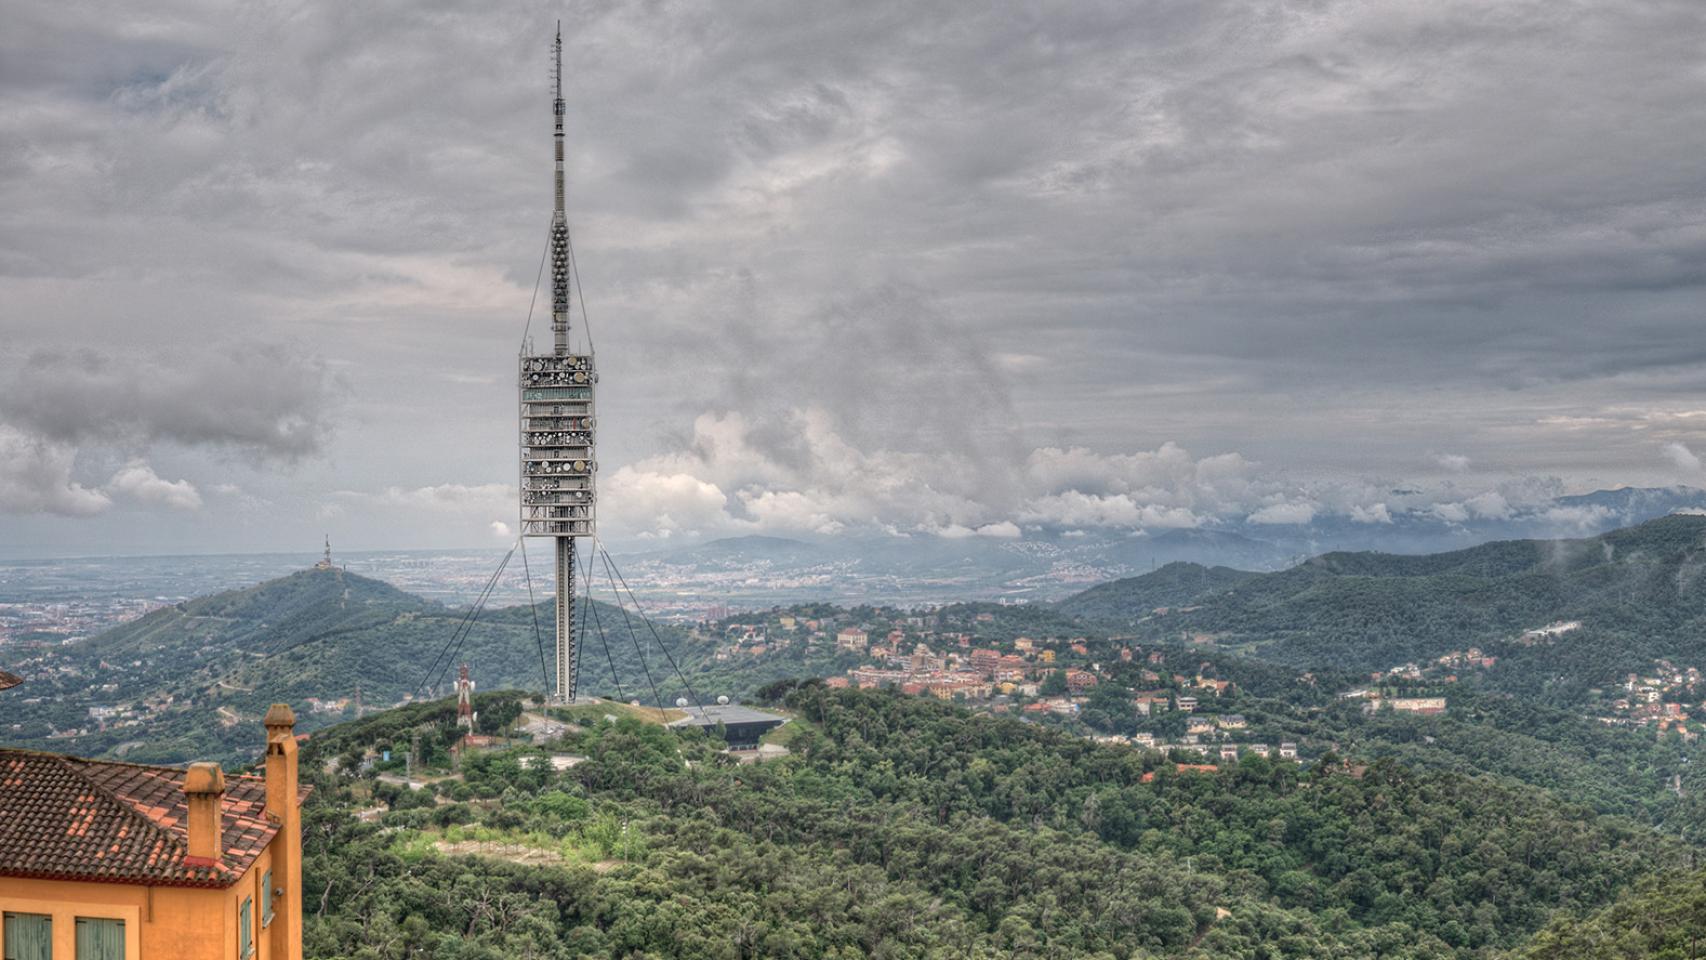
{"x":1049,"y":562}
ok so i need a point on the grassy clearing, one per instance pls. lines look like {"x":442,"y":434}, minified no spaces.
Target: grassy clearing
{"x":596,"y":843}
{"x":586,"y":714}
{"x":783,"y":735}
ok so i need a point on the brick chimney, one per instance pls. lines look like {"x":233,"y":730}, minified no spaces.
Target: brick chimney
{"x":281,"y":761}
{"x":284,"y":807}
{"x":204,"y":793}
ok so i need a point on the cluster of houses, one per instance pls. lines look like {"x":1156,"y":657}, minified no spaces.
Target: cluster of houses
{"x":975,"y":675}
{"x":959,"y":657}
{"x":1659,"y":699}
{"x":1443,"y":669}
{"x":748,"y":640}
{"x":1471,"y":658}
{"x":1413,"y":687}
{"x":959,"y":670}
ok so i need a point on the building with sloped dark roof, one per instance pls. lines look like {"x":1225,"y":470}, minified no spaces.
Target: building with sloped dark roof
{"x":741,"y":727}
{"x":122,"y":861}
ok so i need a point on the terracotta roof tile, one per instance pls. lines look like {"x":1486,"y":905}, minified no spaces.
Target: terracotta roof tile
{"x":69,"y":818}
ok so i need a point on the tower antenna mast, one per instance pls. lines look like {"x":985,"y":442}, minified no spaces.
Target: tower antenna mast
{"x":557,"y":465}
{"x":559,"y":219}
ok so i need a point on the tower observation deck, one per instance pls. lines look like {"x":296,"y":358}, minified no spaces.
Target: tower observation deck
{"x":557,"y":420}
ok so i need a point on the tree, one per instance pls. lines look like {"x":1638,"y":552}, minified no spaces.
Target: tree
{"x":1053,"y":684}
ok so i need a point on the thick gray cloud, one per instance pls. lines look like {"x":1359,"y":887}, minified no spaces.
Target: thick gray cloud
{"x":261,"y":400}
{"x":927,"y":266}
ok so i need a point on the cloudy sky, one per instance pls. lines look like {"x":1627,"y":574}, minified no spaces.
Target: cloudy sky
{"x":920,"y":267}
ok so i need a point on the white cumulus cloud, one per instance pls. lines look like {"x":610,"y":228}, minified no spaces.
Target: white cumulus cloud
{"x":1684,"y":458}
{"x":1450,"y":512}
{"x":35,"y":477}
{"x":137,"y":481}
{"x":663,"y":504}
{"x":1378,"y":513}
{"x":1491,"y":505}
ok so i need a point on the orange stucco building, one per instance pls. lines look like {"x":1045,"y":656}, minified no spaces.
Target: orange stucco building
{"x":102,"y":860}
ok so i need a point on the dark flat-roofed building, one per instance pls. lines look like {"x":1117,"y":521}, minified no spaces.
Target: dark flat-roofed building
{"x":741,"y":726}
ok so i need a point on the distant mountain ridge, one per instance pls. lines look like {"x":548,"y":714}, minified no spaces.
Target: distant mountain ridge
{"x":1049,"y":562}
{"x":1643,"y":585}
{"x":288,"y":611}
{"x":1640,"y":593}
{"x":323,"y":634}
{"x":1175,"y":584}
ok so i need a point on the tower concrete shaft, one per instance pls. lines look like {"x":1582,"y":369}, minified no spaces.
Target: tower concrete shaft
{"x":568,"y":654}
{"x":568,"y":673}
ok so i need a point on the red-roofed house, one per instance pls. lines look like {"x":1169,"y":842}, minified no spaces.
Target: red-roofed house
{"x":119,"y":861}
{"x":1079,"y":681}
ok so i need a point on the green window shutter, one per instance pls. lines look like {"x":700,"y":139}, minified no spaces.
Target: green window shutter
{"x":28,"y":936}
{"x":245,"y":917}
{"x":266,"y":898}
{"x":99,"y":939}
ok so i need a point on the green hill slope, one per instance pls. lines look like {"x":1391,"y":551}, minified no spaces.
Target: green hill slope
{"x":198,"y":672}
{"x":1641,"y":589}
{"x":1135,"y":598}
{"x":1664,"y":919}
{"x":901,"y":827}
{"x":270,"y":617}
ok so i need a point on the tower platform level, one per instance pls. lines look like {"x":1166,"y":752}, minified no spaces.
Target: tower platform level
{"x":557,"y":465}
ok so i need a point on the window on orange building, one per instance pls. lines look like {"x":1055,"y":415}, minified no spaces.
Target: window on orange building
{"x":100,"y":939}
{"x":245,"y":928}
{"x":28,"y":936}
{"x":266,"y":898}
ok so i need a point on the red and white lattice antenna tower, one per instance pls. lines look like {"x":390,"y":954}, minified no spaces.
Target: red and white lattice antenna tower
{"x":464,"y":700}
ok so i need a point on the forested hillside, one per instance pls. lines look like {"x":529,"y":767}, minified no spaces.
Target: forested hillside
{"x":1664,"y":918}
{"x":1125,"y":602}
{"x":270,"y":618}
{"x":1640,"y":590}
{"x":907,"y":828}
{"x":200,"y":668}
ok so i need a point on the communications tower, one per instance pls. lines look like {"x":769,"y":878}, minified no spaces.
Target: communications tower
{"x":557,"y":465}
